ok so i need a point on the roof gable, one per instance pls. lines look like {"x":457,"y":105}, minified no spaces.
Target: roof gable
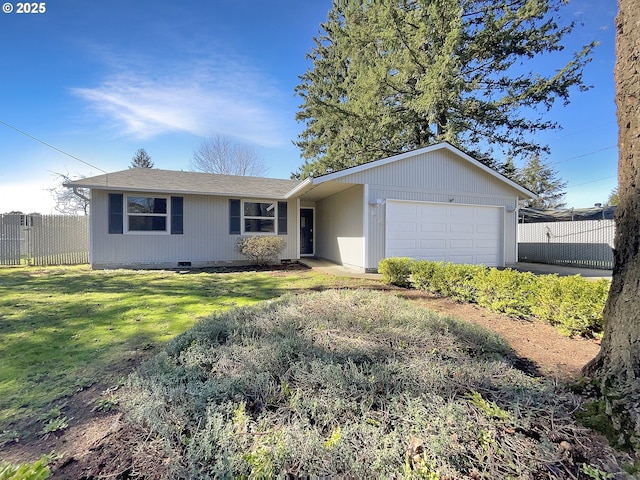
{"x":351,"y":172}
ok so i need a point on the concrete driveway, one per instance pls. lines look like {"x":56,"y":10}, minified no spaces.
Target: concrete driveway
{"x":542,"y":268}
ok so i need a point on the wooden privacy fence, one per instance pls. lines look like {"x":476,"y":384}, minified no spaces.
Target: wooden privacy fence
{"x":582,"y":243}
{"x":43,"y":239}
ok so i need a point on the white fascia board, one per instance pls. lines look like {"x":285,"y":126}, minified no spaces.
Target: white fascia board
{"x":431,"y":148}
{"x":299,"y":189}
{"x":375,"y":163}
{"x":163,"y":191}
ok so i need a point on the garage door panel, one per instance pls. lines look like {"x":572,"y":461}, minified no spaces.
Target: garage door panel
{"x":406,"y":227}
{"x":433,"y":227}
{"x":461,"y":228}
{"x":403,"y":244}
{"x":445,"y":232}
{"x":458,"y":212}
{"x":431,"y":209}
{"x":461,"y":243}
{"x":460,"y":259}
{"x":428,"y":244}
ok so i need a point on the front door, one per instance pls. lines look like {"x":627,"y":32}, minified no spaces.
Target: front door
{"x":306,"y":231}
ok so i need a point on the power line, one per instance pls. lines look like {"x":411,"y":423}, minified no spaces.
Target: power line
{"x":51,"y":146}
{"x":584,"y":155}
{"x":592,"y":181}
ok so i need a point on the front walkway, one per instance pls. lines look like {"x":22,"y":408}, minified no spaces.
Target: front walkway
{"x":330,"y":268}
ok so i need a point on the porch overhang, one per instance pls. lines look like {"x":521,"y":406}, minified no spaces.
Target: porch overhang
{"x":316,"y":189}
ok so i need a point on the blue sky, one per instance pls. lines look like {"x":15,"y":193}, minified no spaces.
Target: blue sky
{"x":101,"y":79}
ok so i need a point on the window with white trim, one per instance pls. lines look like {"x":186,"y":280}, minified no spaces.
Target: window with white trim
{"x":266,"y":217}
{"x":147,"y":214}
{"x":259,"y":217}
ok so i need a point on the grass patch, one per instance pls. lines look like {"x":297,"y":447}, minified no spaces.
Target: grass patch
{"x":351,"y":384}
{"x":64,"y":328}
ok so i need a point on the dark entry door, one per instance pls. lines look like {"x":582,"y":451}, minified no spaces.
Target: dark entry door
{"x":306,"y":231}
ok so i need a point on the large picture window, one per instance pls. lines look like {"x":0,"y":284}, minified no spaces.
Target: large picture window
{"x":143,"y":214}
{"x":260,"y":217}
{"x":147,"y":214}
{"x":257,"y":217}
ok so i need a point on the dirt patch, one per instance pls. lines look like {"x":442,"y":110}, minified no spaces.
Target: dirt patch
{"x":539,"y":348}
{"x":104,"y":445}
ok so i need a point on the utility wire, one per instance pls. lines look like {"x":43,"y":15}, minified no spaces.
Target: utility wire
{"x":51,"y":146}
{"x":584,"y":155}
{"x":592,"y":181}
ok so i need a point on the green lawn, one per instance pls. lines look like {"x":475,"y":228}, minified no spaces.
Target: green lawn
{"x":64,"y":328}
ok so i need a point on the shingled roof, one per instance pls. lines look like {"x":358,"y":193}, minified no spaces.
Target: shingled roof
{"x":196,"y":183}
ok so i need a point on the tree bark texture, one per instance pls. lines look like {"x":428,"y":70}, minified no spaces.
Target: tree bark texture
{"x":616,"y":368}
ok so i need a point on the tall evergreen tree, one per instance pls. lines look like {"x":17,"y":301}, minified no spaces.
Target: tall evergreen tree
{"x":388,"y":77}
{"x":614,"y":198}
{"x":509,"y":169}
{"x":141,"y":159}
{"x":541,"y":179}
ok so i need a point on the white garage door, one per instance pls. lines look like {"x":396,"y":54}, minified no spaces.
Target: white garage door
{"x":445,"y":232}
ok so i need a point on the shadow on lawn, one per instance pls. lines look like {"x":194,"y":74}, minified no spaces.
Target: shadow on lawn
{"x":63,"y":329}
{"x":359,"y":362}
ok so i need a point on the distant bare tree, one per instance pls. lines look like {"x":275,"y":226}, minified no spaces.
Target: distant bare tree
{"x":67,"y":201}
{"x":218,"y":154}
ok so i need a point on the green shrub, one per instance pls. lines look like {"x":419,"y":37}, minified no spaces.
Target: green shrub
{"x":38,"y":470}
{"x":423,"y":273}
{"x":448,"y":279}
{"x":396,"y":271}
{"x":262,"y":249}
{"x":506,"y":291}
{"x":461,"y":281}
{"x":573,"y":304}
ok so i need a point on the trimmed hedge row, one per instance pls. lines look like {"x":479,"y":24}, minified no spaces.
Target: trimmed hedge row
{"x":572,"y":304}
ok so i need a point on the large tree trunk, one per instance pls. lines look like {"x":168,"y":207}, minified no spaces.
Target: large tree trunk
{"x":616,"y":369}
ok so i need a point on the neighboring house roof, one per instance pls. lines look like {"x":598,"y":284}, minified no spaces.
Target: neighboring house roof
{"x":178,"y":182}
{"x":313,"y":182}
{"x":536,"y":215}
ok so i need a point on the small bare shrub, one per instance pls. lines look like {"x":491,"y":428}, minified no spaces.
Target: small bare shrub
{"x":263,"y":250}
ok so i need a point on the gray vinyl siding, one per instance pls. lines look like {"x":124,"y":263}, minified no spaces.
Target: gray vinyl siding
{"x":340,"y":227}
{"x":205,"y":242}
{"x":438,"y":176}
{"x":439,"y":171}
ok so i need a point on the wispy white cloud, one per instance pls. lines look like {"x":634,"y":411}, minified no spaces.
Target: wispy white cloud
{"x":204,"y":96}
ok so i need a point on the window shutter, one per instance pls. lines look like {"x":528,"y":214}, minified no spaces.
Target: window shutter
{"x":116,"y":213}
{"x":234,"y":217}
{"x":282,"y":218}
{"x":176,"y":216}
